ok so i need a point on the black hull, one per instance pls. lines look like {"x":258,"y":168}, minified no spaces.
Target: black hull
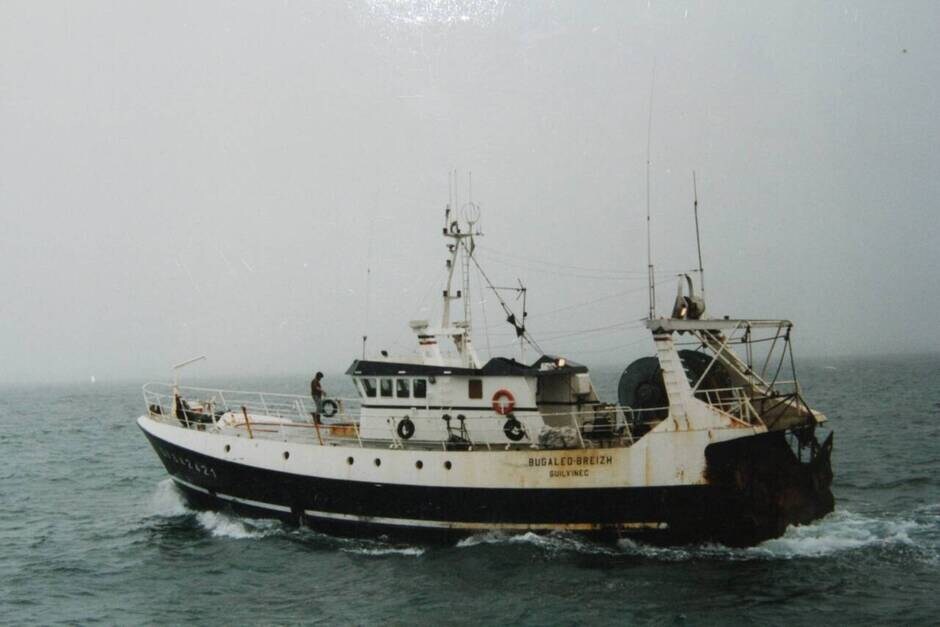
{"x":756,"y":488}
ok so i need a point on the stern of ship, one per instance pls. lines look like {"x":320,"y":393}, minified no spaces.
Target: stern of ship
{"x":766,"y":482}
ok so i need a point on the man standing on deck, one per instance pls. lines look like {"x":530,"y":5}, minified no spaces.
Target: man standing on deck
{"x":316,"y":391}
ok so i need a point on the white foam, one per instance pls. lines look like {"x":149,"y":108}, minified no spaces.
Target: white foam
{"x":931,"y":511}
{"x":488,"y":537}
{"x":225,"y":526}
{"x":167,"y":500}
{"x":665,"y":554}
{"x":413,"y":551}
{"x":838,"y":532}
{"x":543,"y":541}
{"x":552,"y":542}
{"x":559,"y":542}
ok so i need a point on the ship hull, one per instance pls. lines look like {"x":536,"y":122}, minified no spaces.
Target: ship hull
{"x":755,"y":488}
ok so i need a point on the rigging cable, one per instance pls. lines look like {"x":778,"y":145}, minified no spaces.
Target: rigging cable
{"x":486,"y":328}
{"x":558,"y":270}
{"x":551,"y":312}
{"x":510,"y":316}
{"x":698,"y":239}
{"x":555,"y":264}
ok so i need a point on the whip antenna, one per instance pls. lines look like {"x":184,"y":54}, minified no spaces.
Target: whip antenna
{"x":651,"y":279}
{"x":698,"y":239}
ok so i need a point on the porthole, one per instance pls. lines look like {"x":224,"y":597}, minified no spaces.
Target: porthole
{"x":228,"y":448}
{"x":447,"y":465}
{"x":378,"y":462}
{"x":349,"y":460}
{"x":286,"y":455}
{"x":419,"y":464}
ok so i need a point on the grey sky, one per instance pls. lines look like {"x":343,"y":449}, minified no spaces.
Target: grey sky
{"x":180,"y":178}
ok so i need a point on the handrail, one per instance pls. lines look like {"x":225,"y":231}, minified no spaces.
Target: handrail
{"x":288,"y":417}
{"x":147,"y":387}
{"x":297,"y":402}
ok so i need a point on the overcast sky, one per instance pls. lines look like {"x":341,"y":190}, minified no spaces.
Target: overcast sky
{"x":184,"y":178}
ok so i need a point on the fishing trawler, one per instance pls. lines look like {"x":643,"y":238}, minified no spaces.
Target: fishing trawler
{"x":705,"y":441}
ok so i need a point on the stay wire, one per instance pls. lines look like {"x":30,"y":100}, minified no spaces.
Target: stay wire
{"x":578,"y":275}
{"x":486,"y":327}
{"x":501,"y":253}
{"x":509,"y":313}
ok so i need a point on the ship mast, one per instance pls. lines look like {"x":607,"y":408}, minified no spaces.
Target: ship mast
{"x":460,"y":248}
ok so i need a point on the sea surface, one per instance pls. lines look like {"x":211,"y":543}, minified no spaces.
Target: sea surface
{"x":92,"y":531}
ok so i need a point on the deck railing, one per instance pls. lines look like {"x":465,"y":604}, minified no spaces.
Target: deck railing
{"x":215,"y":402}
{"x":289,"y":417}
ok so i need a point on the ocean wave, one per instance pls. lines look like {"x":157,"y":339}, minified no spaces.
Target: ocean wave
{"x":226,"y":526}
{"x":552,"y":542}
{"x":380,"y":546}
{"x":379,"y":551}
{"x":918,"y":480}
{"x":839,"y":532}
{"x":167,"y":502}
{"x":931,"y":510}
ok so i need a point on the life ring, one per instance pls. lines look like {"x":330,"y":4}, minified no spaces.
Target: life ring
{"x":503,"y":409}
{"x":405,"y":428}
{"x":328,"y":408}
{"x":513,"y":429}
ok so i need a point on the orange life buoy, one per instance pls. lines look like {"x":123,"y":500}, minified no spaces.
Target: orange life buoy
{"x":502,"y":407}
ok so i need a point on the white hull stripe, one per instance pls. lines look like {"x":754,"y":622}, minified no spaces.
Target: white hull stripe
{"x":234,"y":499}
{"x":482,"y":526}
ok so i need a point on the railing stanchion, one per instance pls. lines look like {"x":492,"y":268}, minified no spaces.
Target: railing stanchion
{"x":247,"y":423}
{"x":574,"y":422}
{"x":264,"y":405}
{"x":316,"y":426}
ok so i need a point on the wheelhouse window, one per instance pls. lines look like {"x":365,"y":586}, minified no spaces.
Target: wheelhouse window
{"x":420,"y":388}
{"x":476,"y":388}
{"x":368,"y":387}
{"x":403,"y":388}
{"x":385,"y":387}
